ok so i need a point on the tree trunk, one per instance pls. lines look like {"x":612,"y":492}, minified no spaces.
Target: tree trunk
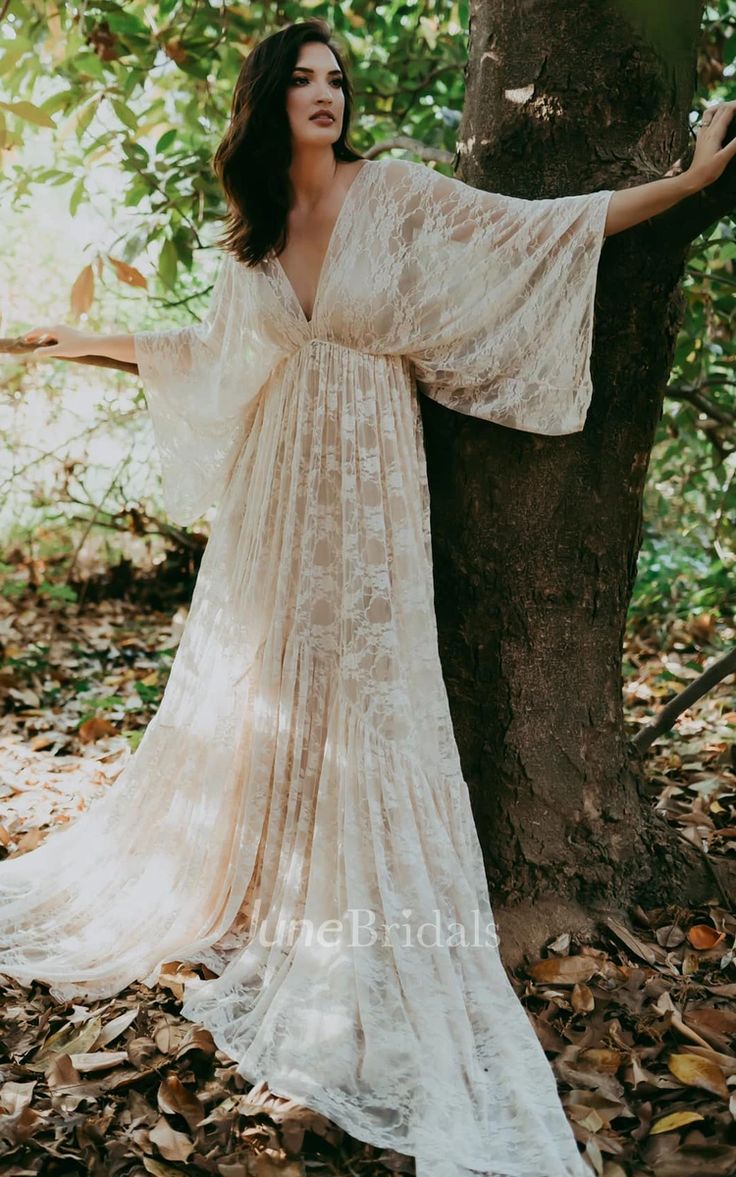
{"x":535,"y":538}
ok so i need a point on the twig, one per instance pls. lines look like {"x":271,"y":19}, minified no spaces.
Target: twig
{"x":715,"y":673}
{"x":437,"y":154}
{"x":693,"y":395}
{"x":91,"y":522}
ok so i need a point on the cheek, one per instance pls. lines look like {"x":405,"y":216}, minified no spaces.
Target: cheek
{"x":296,"y":100}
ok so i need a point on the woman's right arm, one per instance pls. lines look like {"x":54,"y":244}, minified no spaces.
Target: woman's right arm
{"x":68,"y":343}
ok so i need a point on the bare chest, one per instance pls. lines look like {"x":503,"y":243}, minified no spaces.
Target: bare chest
{"x":309,"y":234}
{"x":304,"y":255}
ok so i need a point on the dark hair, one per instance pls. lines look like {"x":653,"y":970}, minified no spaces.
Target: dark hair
{"x":252,"y":161}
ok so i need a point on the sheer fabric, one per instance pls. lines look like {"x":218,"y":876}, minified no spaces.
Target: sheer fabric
{"x":296,"y":809}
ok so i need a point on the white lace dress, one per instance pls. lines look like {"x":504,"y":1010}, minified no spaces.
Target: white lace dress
{"x":296,"y":809}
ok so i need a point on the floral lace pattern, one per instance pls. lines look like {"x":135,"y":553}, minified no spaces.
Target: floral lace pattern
{"x":301,"y":773}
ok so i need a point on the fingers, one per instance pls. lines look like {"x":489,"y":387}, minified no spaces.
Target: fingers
{"x":46,"y":337}
{"x":718,"y":113}
{"x":37,"y":334}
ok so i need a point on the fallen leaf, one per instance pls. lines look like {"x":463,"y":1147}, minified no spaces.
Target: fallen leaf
{"x":563,"y":970}
{"x":694,"y":1071}
{"x":675,"y":1120}
{"x":174,"y":1098}
{"x":704,"y":936}
{"x":98,"y":1060}
{"x":173,"y":1145}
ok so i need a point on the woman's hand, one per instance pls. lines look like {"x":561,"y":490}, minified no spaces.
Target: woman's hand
{"x":65,"y":342}
{"x":710,"y":158}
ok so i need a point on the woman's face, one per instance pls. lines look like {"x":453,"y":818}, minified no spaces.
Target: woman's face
{"x":315,"y":86}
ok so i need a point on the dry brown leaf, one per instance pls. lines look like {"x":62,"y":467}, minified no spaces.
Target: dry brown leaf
{"x":83,"y":292}
{"x":173,"y":1097}
{"x":142,"y":1050}
{"x":198,"y":1039}
{"x":563,"y":970}
{"x":726,"y":1062}
{"x":675,"y":1120}
{"x":98,"y":1060}
{"x":670,"y":935}
{"x":704,"y":936}
{"x":694,"y":1071}
{"x":581,"y":998}
{"x":637,"y":946}
{"x":126,"y":273}
{"x":95,"y":728}
{"x":173,"y":1145}
{"x":601,"y":1059}
{"x":114,"y":1028}
{"x":29,"y":841}
{"x":717,"y":1025}
{"x":15,"y":1096}
{"x":20,"y":1129}
{"x":264,"y":1165}
{"x":159,"y":1169}
{"x":70,"y":1039}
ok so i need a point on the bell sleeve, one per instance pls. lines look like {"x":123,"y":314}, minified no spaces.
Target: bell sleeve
{"x":200,"y":384}
{"x":499,"y":301}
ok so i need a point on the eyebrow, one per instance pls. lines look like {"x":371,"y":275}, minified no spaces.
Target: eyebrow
{"x":306,"y":70}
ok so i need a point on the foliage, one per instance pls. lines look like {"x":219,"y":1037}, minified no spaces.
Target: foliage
{"x":688,"y":557}
{"x":148,"y":86}
{"x":143,"y":89}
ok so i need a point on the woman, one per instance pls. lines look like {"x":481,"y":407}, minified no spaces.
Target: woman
{"x":295,"y":817}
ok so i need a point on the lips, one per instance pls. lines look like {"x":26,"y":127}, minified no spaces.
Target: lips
{"x":321,"y":117}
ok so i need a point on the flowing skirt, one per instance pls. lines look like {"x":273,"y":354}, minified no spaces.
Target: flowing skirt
{"x":295,"y":816}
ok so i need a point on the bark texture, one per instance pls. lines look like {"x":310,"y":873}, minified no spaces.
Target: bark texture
{"x":536,"y":539}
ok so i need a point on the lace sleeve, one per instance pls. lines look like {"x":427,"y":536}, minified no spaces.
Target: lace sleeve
{"x":200,"y":384}
{"x":503,"y":289}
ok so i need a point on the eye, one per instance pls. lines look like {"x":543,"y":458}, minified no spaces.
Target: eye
{"x":338,"y":83}
{"x":299,"y":78}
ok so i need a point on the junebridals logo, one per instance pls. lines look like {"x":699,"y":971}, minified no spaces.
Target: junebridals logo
{"x":359,"y":928}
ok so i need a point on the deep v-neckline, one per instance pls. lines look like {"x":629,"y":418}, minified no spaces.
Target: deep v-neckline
{"x":327,"y":254}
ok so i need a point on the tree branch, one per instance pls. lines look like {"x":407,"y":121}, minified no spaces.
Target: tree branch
{"x":719,"y":670}
{"x":437,"y":154}
{"x":681,"y":224}
{"x":692,"y":395}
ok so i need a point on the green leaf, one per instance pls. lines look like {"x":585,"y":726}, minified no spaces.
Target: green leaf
{"x":57,"y":592}
{"x":12,"y":56}
{"x":85,"y":118}
{"x":29,"y":113}
{"x":167,"y":263}
{"x":125,"y":114}
{"x":166,"y":140}
{"x":134,"y":738}
{"x":77,"y":196}
{"x":127,"y":24}
{"x":88,"y":65}
{"x":61,"y":101}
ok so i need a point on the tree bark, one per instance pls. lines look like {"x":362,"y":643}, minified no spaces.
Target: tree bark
{"x":535,"y":539}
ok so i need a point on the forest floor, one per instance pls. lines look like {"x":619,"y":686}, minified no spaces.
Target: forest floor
{"x":639,"y":1025}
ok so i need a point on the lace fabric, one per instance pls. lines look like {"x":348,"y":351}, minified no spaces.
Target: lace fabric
{"x":296,"y":811}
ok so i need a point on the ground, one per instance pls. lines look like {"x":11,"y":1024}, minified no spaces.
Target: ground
{"x":639,"y":1024}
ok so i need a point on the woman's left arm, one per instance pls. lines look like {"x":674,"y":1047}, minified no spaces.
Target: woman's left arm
{"x":629,"y":206}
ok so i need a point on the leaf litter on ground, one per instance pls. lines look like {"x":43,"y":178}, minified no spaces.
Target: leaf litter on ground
{"x":639,"y":1025}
